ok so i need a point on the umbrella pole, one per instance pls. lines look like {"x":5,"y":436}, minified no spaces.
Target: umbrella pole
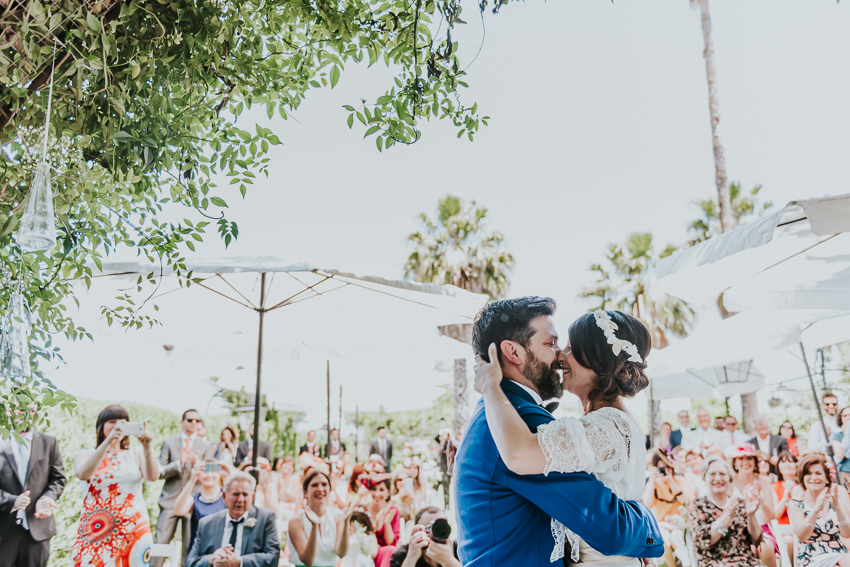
{"x":817,"y":404}
{"x":256,"y":442}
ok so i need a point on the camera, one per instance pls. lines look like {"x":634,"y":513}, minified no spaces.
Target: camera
{"x":439,"y":530}
{"x":212,"y":467}
{"x":662,"y":470}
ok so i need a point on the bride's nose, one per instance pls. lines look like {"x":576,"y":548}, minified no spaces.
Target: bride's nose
{"x":562,"y":356}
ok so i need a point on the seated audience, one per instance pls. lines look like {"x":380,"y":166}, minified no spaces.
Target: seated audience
{"x":315,"y":537}
{"x":724,"y":528}
{"x":744,"y":462}
{"x":200,"y":505}
{"x":403,"y":496}
{"x":428,"y":547}
{"x":765,"y":467}
{"x":240,"y":535}
{"x":820,"y":519}
{"x":665,"y":492}
{"x":784,"y":488}
{"x":733,"y":435}
{"x":420,"y":487}
{"x":357,"y":493}
{"x":693,"y":473}
{"x":289,"y":492}
{"x":662,"y":441}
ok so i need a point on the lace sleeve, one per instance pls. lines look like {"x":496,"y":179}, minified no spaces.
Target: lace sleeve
{"x":596,"y":443}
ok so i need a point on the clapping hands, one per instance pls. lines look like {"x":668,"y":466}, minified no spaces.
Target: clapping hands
{"x":753,"y":500}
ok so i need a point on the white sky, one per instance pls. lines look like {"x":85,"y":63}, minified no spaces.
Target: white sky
{"x":599,"y":128}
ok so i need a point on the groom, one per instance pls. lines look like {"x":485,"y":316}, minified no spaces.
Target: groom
{"x":504,"y":518}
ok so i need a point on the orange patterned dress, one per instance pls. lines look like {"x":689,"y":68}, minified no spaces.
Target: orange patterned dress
{"x":114,"y":528}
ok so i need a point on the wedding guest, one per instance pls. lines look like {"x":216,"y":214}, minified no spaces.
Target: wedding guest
{"x":334,"y":447}
{"x":311,"y":446}
{"x":724,"y":528}
{"x":424,"y":550}
{"x":734,"y":436}
{"x":32,"y":479}
{"x":403,"y":496}
{"x":680,"y":436}
{"x":787,"y":431}
{"x":693,"y":473}
{"x":385,"y":517}
{"x":445,"y":439}
{"x":765,"y":467}
{"x":227,"y":444}
{"x":382,"y":446}
{"x":840,"y":441}
{"x":744,"y":462}
{"x":241,"y":535}
{"x":315,"y":537}
{"x":114,"y":526}
{"x":376,"y":464}
{"x":201,"y":504}
{"x":664,"y":492}
{"x":662,"y":441}
{"x":244,"y":451}
{"x":177,"y":457}
{"x":362,"y":543}
{"x":769,"y":444}
{"x":784,"y":488}
{"x":705,"y":436}
{"x":420,"y":486}
{"x":357,"y":492}
{"x":290,"y":494}
{"x":816,"y":439}
{"x":720,"y":423}
{"x":821,"y":520}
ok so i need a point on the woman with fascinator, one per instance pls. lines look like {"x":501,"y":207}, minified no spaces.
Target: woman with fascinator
{"x":603,"y":362}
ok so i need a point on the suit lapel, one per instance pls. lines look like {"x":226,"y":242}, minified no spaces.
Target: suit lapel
{"x":246,"y":531}
{"x":218,"y":534}
{"x":13,"y":464}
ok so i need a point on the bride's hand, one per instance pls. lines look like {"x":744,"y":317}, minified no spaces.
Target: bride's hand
{"x":488,"y":374}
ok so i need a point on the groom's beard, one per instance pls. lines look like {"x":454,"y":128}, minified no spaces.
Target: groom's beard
{"x":545,"y":377}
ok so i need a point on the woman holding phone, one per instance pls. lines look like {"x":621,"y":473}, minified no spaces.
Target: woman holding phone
{"x":208,"y":501}
{"x":114,"y":525}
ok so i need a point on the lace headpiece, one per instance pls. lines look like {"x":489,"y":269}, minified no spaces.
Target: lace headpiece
{"x":604,"y":322}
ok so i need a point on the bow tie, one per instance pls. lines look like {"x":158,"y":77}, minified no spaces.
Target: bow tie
{"x":551,"y":406}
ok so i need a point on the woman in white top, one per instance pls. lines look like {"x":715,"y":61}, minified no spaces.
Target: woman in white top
{"x":315,"y":537}
{"x":602,"y":363}
{"x":114,"y":525}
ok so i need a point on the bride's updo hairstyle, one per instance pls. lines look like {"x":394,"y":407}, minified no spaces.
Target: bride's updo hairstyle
{"x":616,"y":375}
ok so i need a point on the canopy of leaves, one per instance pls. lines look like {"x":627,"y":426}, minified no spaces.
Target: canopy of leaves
{"x":622,"y":285}
{"x":145,"y":96}
{"x":745,"y":207}
{"x":454,"y":249}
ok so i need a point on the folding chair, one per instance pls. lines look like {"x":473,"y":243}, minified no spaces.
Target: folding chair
{"x":170,"y":551}
{"x":780,"y":530}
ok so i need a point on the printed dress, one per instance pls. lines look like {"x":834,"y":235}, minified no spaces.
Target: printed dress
{"x":734,"y":549}
{"x":824,"y":547}
{"x":114,"y":528}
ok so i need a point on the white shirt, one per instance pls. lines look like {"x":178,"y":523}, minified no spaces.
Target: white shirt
{"x":184,"y":438}
{"x":816,"y":441}
{"x":697,"y":436}
{"x":22,"y":514}
{"x":735,"y":438}
{"x":228,"y":529}
{"x":764,"y":444}
{"x":537,"y":399}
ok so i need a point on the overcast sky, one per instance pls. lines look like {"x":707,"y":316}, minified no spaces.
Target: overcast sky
{"x":599,"y":128}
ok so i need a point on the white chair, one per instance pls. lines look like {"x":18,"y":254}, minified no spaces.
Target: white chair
{"x":692,"y":548}
{"x":780,"y":530}
{"x":170,"y":551}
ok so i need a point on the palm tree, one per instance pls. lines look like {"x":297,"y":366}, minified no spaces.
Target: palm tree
{"x":454,"y":249}
{"x":721,"y":178}
{"x":622,"y":286}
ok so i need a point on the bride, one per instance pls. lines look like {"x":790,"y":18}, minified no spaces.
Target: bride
{"x":603,"y":363}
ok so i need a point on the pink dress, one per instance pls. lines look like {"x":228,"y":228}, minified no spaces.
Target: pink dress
{"x":386,"y":550}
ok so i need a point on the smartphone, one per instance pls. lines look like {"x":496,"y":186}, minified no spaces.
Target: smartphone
{"x":212,"y":467}
{"x":133,"y":428}
{"x":408,"y":484}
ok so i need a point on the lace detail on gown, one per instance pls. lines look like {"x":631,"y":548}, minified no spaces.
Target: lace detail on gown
{"x":598,"y":443}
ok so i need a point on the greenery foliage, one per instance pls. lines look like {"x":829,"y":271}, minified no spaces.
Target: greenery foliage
{"x":745,"y":206}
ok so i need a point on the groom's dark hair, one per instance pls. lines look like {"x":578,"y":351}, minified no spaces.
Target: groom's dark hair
{"x":508,"y":320}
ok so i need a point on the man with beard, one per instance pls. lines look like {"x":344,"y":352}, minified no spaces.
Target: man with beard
{"x":506,"y":517}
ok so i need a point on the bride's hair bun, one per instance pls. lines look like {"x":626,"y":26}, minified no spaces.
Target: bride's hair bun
{"x":616,"y":375}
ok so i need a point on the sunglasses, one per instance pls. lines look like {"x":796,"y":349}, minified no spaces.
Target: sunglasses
{"x":191,"y":420}
{"x":831,"y":404}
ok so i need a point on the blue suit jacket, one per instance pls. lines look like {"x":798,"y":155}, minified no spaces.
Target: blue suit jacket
{"x":504,"y":518}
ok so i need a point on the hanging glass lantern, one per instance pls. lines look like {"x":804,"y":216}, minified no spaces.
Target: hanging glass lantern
{"x":15,"y":340}
{"x":38,"y":227}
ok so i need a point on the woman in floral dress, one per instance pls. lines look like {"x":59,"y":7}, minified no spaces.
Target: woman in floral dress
{"x":724,"y":528}
{"x":821,"y":517}
{"x":114,"y":528}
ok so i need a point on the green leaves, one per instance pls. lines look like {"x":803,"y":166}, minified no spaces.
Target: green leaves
{"x":218,"y":202}
{"x":334,"y":76}
{"x":93,"y":23}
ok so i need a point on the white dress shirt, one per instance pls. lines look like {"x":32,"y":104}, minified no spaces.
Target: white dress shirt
{"x":735,"y":438}
{"x":764,"y":444}
{"x":537,"y":399}
{"x":240,"y":529}
{"x":698,"y":435}
{"x":817,"y":442}
{"x":23,"y":468}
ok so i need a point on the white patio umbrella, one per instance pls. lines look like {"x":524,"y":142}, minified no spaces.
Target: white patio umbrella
{"x":322,"y":305}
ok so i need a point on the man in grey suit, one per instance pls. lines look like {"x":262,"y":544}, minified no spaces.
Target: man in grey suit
{"x":240,"y":536}
{"x":243,"y":452}
{"x":32,"y":479}
{"x":383,"y":447}
{"x":178,"y":456}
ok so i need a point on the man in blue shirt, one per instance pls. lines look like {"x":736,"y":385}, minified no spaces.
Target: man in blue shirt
{"x":504,"y":518}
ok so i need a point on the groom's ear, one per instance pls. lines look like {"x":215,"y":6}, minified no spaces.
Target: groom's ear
{"x":511,"y":352}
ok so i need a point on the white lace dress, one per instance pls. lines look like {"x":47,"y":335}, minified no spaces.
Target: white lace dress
{"x":606,"y":443}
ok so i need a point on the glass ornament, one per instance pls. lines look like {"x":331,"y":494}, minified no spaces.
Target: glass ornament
{"x":15,"y":361}
{"x":38,"y":225}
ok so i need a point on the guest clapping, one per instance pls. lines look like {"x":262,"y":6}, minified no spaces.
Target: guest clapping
{"x":783,"y":487}
{"x":314,"y":536}
{"x":724,"y":528}
{"x":201,"y":504}
{"x":114,"y":523}
{"x":227,"y":444}
{"x":820,"y":520}
{"x":240,"y":536}
{"x":385,"y":517}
